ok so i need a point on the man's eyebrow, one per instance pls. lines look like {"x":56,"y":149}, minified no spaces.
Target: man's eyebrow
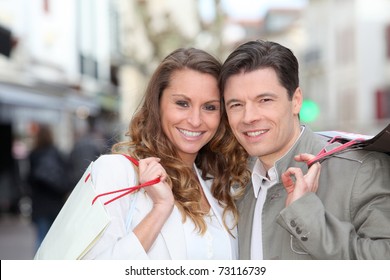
{"x":260,"y":95}
{"x":266,"y":94}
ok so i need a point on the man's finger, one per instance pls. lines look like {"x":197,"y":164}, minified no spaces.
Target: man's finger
{"x":312,"y":176}
{"x":304,"y":157}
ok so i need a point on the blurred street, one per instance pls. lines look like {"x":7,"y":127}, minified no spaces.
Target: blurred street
{"x":17,"y":238}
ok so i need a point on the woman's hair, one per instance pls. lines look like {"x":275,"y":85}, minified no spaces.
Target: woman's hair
{"x":222,"y":159}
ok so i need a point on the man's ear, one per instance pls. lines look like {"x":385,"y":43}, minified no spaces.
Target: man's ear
{"x":297,"y":101}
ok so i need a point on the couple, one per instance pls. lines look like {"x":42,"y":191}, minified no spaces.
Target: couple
{"x":185,"y":134}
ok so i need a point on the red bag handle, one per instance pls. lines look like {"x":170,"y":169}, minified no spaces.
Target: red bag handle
{"x":125,"y":191}
{"x":323,"y":153}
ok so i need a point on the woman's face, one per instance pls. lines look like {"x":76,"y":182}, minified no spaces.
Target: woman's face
{"x":190,"y":111}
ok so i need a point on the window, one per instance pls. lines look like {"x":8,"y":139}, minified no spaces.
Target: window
{"x":383,"y":103}
{"x":388,"y":41}
{"x":345,"y":47}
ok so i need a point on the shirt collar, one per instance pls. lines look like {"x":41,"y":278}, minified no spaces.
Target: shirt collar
{"x":260,"y":179}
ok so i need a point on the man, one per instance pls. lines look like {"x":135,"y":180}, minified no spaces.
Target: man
{"x":339,"y":210}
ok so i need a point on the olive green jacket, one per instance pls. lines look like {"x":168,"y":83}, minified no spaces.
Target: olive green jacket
{"x":347,"y":218}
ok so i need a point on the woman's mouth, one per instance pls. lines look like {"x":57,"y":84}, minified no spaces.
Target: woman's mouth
{"x":189,"y":133}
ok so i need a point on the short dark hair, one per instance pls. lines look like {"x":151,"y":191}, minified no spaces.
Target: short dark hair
{"x":259,"y":54}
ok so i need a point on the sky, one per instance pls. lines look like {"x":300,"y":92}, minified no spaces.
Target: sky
{"x":247,"y":9}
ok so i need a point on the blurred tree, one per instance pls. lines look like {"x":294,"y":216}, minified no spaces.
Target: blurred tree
{"x":162,"y":31}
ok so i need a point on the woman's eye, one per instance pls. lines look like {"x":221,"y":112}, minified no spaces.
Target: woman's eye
{"x":182,"y":103}
{"x":211,"y":107}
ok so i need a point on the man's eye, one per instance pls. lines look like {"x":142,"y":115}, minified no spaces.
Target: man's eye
{"x":234,"y":105}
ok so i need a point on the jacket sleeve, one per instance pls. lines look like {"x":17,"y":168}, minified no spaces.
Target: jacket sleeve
{"x":111,"y":172}
{"x":365,"y":235}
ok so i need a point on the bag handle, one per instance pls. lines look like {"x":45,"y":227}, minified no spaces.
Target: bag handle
{"x":323,"y":154}
{"x":126,"y":191}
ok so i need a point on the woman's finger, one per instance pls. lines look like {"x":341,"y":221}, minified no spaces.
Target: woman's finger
{"x":150,"y":169}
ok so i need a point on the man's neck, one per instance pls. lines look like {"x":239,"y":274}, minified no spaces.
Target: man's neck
{"x":269,"y":161}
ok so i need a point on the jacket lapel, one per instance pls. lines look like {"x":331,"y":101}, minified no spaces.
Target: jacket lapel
{"x":246,"y":209}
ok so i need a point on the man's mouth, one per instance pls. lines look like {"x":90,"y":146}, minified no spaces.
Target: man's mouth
{"x":255,"y":133}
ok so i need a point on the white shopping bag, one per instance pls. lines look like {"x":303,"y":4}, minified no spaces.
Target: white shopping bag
{"x":78,"y":225}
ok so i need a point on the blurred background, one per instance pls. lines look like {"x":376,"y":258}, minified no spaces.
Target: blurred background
{"x":80,"y":68}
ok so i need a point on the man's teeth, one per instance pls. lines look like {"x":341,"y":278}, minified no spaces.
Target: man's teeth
{"x":255,"y":133}
{"x":190,"y":133}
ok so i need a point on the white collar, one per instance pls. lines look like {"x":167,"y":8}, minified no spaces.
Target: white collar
{"x":260,"y":179}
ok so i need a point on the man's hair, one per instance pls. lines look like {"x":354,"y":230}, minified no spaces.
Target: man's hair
{"x":255,"y":55}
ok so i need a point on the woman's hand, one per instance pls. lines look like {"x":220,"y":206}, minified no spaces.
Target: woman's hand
{"x":161,"y":193}
{"x":297,"y":184}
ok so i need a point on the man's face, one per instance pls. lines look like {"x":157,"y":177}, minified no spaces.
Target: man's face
{"x":262,"y":117}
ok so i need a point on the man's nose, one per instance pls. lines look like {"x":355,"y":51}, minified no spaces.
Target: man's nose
{"x":250,"y":113}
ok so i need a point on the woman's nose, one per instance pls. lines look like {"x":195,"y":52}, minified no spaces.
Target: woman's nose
{"x":195,"y":118}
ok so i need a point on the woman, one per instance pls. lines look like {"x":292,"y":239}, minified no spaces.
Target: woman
{"x":178,"y":136}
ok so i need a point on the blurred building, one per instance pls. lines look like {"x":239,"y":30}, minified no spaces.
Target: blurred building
{"x":346,"y":64}
{"x":56,"y":67}
{"x":58,"y":70}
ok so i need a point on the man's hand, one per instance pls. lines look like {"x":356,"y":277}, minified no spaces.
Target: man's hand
{"x":297,"y":184}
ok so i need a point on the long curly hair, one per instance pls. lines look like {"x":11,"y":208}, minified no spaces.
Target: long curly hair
{"x":222,"y":159}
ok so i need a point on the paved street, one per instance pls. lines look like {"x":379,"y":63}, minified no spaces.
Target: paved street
{"x":17,"y":238}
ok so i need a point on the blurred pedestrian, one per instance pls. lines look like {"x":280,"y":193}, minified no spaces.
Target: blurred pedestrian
{"x":87,"y":148}
{"x":47,"y":179}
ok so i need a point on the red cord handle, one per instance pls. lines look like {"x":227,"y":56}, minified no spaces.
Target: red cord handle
{"x":125,"y":191}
